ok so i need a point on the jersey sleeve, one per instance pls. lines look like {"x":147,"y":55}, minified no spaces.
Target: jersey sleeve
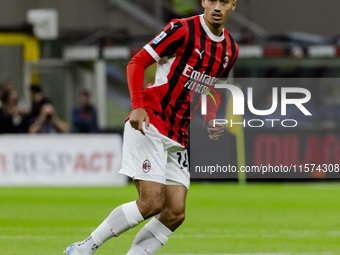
{"x":135,"y":77}
{"x":168,"y":42}
{"x":212,"y":106}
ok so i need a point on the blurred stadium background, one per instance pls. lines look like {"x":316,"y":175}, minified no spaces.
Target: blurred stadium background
{"x":65,"y":47}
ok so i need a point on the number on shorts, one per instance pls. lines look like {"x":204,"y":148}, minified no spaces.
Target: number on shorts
{"x":182,"y":160}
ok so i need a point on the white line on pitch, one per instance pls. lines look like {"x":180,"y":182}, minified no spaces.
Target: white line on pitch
{"x":282,"y":253}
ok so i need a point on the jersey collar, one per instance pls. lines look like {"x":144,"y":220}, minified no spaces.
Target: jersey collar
{"x":209,"y":33}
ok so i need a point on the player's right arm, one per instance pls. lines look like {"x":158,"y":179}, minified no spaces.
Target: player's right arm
{"x":164,"y":44}
{"x":135,"y":76}
{"x":137,"y":117}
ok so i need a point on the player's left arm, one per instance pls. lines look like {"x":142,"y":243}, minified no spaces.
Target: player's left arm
{"x":215,"y":130}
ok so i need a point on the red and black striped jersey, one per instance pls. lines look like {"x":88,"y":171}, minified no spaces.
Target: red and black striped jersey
{"x":186,"y":51}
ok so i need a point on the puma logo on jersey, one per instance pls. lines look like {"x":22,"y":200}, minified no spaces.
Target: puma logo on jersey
{"x":200,"y":53}
{"x":172,"y":25}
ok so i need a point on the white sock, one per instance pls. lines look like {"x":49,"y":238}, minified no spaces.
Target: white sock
{"x":120,"y":220}
{"x":87,"y":247}
{"x":150,"y":238}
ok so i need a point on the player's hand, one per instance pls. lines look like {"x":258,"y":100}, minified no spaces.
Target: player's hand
{"x":214,"y":132}
{"x":138,"y":116}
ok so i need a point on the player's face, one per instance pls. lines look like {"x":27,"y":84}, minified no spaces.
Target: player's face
{"x":216,"y":12}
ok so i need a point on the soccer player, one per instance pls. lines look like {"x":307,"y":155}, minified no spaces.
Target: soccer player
{"x":155,"y":137}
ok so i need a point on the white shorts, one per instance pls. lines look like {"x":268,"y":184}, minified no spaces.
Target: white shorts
{"x":154,"y":157}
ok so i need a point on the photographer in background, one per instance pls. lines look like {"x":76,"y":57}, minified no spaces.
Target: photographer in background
{"x":38,"y":100}
{"x":84,"y":116}
{"x":12,"y":119}
{"x":48,"y":122}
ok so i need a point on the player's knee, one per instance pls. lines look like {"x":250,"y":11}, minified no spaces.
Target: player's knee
{"x":156,"y":206}
{"x":179,"y":218}
{"x":175,"y":216}
{"x":151,"y":205}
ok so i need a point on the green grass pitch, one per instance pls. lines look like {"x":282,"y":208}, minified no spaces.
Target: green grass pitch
{"x":275,"y":219}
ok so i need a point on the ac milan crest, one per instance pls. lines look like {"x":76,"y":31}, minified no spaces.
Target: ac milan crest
{"x":146,"y":166}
